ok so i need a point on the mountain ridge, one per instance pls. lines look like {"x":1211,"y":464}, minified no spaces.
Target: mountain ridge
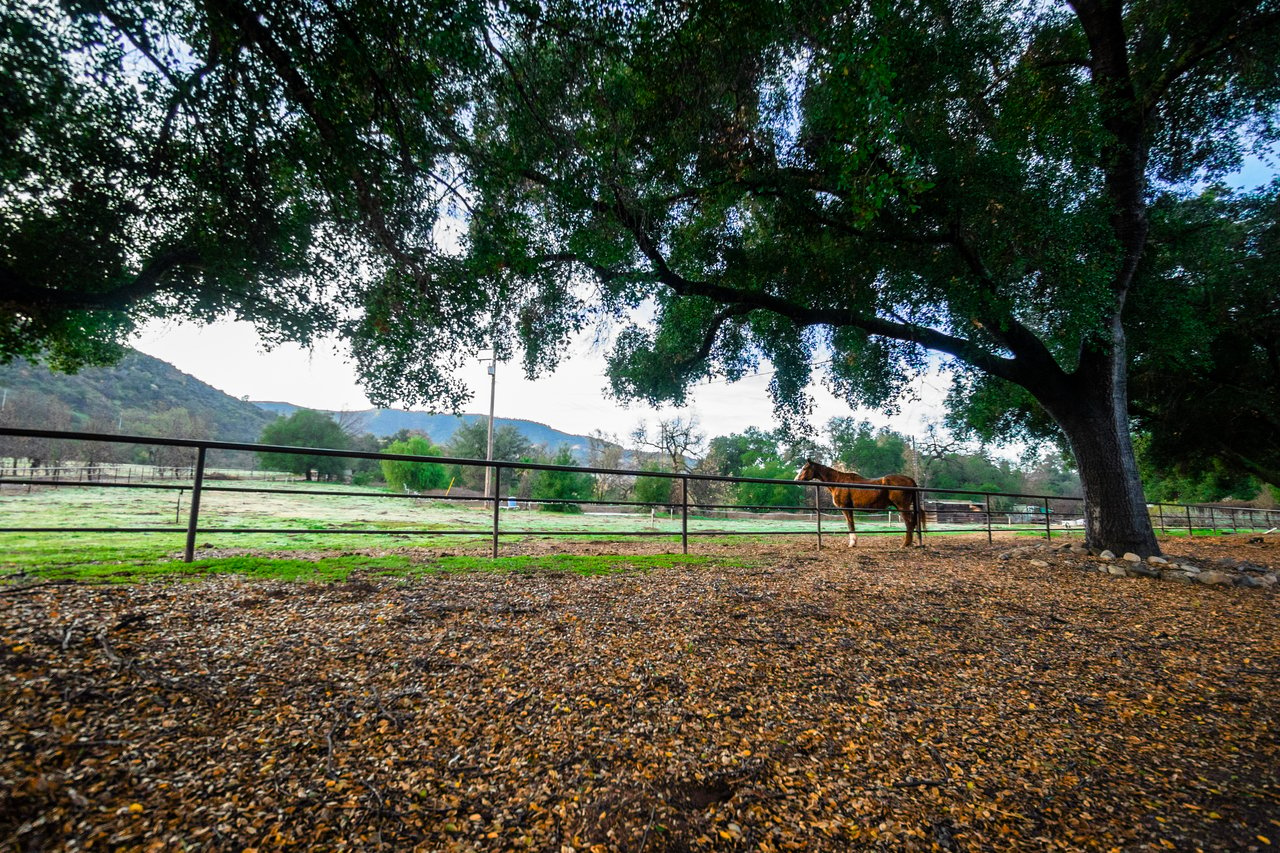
{"x":143,"y":383}
{"x":439,"y":427}
{"x":136,"y":383}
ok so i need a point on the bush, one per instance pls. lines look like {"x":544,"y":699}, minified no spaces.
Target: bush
{"x":414,"y":476}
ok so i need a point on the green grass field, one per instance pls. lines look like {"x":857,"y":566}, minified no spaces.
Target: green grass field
{"x":139,"y":553}
{"x":386,"y":523}
{"x":130,"y":568}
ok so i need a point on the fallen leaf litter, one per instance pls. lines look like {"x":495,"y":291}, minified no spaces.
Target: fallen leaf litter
{"x":936,"y":699}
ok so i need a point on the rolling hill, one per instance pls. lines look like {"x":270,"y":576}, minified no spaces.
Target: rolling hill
{"x":141,"y":382}
{"x":137,"y":382}
{"x":439,"y":428}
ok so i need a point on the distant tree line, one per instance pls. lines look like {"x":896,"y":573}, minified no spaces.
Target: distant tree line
{"x":32,"y":409}
{"x":937,"y":460}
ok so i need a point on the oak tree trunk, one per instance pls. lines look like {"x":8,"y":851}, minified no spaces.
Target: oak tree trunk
{"x":1116,"y":516}
{"x":1092,"y":408}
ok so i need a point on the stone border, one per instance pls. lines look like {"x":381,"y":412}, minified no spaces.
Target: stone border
{"x":1227,"y":571}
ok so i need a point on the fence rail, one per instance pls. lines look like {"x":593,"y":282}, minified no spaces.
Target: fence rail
{"x":976,"y":511}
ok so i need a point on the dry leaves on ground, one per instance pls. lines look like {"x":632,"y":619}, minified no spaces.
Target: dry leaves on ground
{"x":934,"y":699}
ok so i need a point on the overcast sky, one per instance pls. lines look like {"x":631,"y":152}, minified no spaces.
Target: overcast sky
{"x":230,"y":357}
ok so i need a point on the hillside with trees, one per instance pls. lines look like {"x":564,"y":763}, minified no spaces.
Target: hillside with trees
{"x":440,"y":427}
{"x":122,"y":395}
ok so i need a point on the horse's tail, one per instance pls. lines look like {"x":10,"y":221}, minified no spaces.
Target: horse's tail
{"x":917,"y":507}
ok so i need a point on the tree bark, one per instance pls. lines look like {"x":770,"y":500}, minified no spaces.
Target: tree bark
{"x":1092,"y":408}
{"x":1116,"y":515}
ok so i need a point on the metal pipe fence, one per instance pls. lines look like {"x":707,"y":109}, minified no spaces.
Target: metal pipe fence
{"x":966,"y":511}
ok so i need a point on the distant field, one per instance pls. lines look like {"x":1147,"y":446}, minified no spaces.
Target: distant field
{"x":317,"y":507}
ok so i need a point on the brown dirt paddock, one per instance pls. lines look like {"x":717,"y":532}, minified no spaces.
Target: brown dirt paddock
{"x":875,"y":698}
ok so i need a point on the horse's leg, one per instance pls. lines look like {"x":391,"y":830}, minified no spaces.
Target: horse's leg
{"x":853,"y":530}
{"x":906,"y":505}
{"x":909,"y":519}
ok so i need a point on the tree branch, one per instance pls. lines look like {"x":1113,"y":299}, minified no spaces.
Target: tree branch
{"x":1213,"y":40}
{"x":26,"y":296}
{"x":251,"y":24}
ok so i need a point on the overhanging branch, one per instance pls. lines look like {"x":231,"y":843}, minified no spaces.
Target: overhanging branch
{"x":25,"y":296}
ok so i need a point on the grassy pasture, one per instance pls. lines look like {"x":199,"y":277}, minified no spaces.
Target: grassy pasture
{"x":136,"y":554}
{"x":400,"y":523}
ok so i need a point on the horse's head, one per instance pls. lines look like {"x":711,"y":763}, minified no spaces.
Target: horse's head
{"x":807,"y":472}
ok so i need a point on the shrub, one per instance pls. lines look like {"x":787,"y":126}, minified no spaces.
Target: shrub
{"x":414,"y":476}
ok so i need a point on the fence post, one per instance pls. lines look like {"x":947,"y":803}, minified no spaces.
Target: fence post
{"x":684,"y":514}
{"x":987,"y":502}
{"x":1048,"y":531}
{"x":1190,"y":533}
{"x":917,"y":507}
{"x":194,"y":518}
{"x":1213,"y":521}
{"x":496,"y":471}
{"x":177,"y":510}
{"x":817,"y":506}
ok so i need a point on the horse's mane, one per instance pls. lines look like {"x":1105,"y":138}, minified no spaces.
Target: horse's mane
{"x":835,"y":466}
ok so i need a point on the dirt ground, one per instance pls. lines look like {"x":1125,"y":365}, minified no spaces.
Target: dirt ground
{"x":939,"y":698}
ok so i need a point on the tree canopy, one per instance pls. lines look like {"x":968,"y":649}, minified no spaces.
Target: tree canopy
{"x":1206,"y":388}
{"x":471,"y":441}
{"x":304,"y":428}
{"x":561,"y":485}
{"x":815,"y":184}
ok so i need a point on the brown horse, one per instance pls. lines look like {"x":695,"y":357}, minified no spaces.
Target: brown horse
{"x":850,"y":499}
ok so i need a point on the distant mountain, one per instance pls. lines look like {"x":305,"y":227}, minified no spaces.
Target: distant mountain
{"x":440,"y":428}
{"x":140,"y":382}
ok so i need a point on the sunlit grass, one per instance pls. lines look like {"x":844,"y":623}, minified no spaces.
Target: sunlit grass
{"x":131,"y":566}
{"x":314,"y":509}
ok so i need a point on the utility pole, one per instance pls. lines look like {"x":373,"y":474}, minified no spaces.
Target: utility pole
{"x":493,"y":393}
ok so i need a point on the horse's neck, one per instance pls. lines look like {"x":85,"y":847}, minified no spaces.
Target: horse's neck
{"x":835,"y":475}
{"x":824,"y":472}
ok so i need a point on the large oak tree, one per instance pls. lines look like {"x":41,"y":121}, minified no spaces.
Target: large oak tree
{"x":847,"y":184}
